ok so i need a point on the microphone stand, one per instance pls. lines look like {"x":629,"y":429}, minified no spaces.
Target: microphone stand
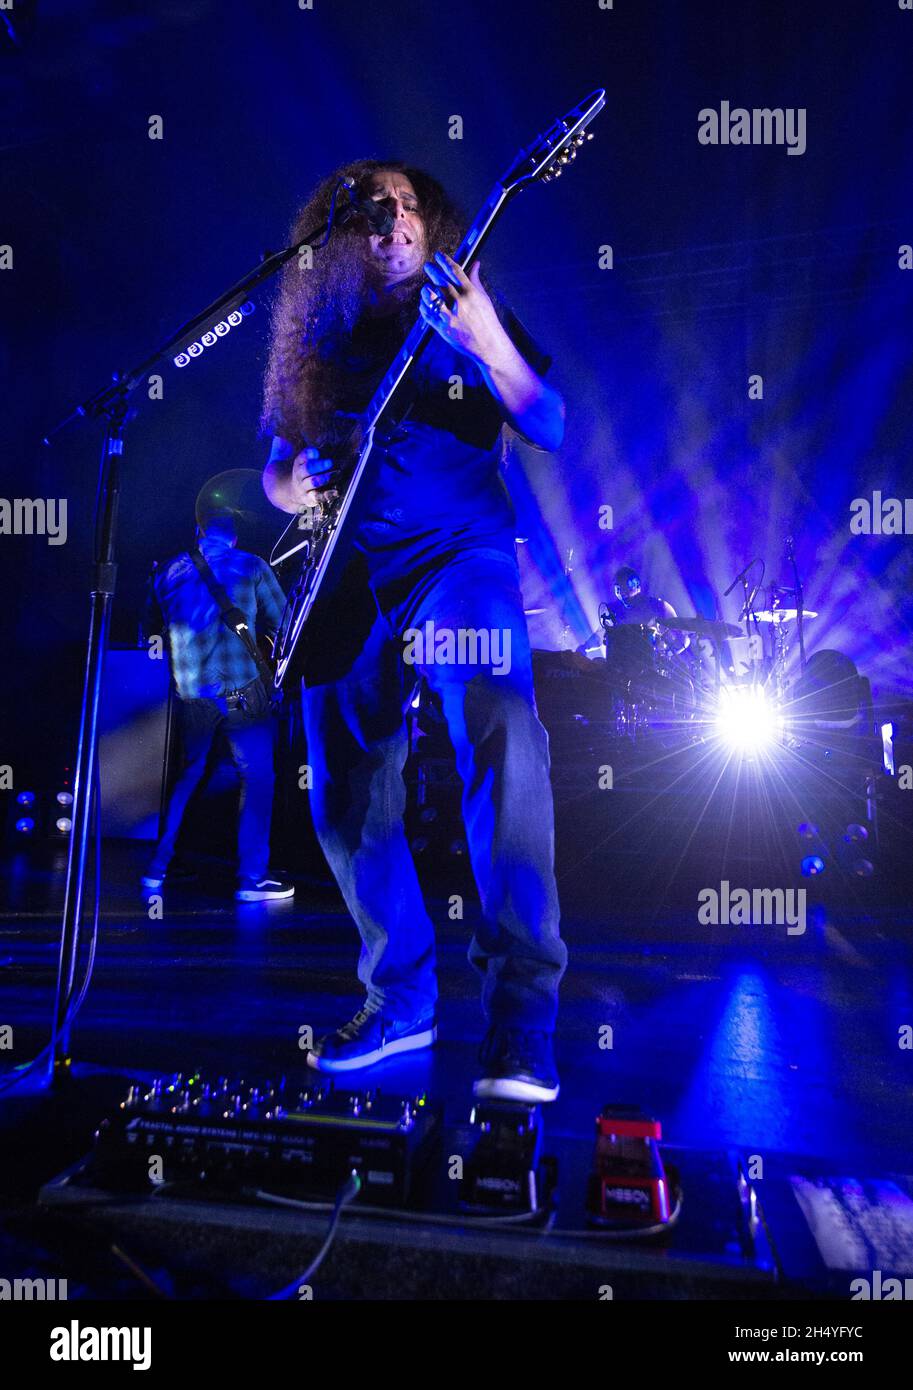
{"x":565,"y":604}
{"x":747,"y":609}
{"x":800,"y":602}
{"x":111,"y":404}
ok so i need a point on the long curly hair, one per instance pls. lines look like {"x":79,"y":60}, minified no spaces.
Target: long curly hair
{"x":316,"y":309}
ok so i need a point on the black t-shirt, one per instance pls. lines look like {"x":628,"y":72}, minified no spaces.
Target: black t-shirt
{"x":642,"y":609}
{"x":438,"y":482}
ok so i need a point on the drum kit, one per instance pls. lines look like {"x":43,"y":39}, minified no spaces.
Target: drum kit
{"x":664,"y":676}
{"x":660,"y":676}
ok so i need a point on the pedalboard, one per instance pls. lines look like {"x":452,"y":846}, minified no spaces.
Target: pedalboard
{"x":238,"y":1137}
{"x":235,"y":1140}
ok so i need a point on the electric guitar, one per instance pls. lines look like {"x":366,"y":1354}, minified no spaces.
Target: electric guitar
{"x":323,"y":533}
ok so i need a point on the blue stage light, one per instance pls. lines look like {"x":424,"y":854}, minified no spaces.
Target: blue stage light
{"x":25,"y":826}
{"x":812,"y":865}
{"x":25,"y":799}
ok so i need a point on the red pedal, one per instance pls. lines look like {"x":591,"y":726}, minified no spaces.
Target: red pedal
{"x":628,"y":1185}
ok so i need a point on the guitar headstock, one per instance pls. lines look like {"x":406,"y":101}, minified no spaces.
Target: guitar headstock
{"x":550,"y":153}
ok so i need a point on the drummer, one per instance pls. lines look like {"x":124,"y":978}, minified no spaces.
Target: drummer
{"x":633,"y":606}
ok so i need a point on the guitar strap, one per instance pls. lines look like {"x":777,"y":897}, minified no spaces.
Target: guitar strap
{"x":234,"y":620}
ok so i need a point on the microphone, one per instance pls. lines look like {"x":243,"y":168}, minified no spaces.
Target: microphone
{"x":739,"y":577}
{"x":379,"y":218}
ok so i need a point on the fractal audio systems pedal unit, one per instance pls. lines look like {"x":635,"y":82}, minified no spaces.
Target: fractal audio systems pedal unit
{"x":240,"y":1136}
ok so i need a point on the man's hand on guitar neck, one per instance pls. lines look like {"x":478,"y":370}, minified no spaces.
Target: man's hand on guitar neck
{"x":458,"y":307}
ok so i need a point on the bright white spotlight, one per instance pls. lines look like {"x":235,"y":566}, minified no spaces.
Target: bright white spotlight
{"x":747,"y":719}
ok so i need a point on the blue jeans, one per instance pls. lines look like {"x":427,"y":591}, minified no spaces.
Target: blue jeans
{"x":250,"y":737}
{"x":356,"y":690}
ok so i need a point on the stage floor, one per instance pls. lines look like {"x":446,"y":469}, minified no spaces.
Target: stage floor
{"x":742,"y":1041}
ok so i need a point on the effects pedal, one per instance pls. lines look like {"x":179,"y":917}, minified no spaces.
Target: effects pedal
{"x":299,"y":1142}
{"x":505,"y":1171}
{"x":628,"y":1185}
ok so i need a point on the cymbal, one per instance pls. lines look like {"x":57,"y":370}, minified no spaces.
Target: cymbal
{"x":703,"y":627}
{"x":239,"y":491}
{"x":783,"y":615}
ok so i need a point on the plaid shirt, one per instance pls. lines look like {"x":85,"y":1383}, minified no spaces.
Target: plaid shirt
{"x":208,"y":660}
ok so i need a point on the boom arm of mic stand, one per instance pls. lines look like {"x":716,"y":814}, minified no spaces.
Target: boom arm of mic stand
{"x":102,"y":402}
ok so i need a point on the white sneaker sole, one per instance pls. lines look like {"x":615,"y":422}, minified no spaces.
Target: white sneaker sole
{"x":256,"y":895}
{"x":413,"y":1043}
{"x":508,"y":1088}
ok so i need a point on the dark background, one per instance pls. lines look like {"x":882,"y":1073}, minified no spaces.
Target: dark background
{"x":728,"y":261}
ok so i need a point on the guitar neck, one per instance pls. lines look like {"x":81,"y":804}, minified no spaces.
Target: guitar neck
{"x":420,"y":333}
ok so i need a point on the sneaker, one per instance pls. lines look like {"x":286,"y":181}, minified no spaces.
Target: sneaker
{"x":370,"y":1038}
{"x":255,"y":890}
{"x":517,"y":1064}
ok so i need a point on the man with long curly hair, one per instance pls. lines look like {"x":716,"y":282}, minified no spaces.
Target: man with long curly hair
{"x":433,"y":557}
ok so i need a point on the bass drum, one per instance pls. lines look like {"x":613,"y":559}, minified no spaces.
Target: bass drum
{"x":631,"y":656}
{"x":569,"y":687}
{"x":658,"y":689}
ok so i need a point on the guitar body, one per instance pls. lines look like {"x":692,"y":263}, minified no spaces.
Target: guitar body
{"x":323,"y":535}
